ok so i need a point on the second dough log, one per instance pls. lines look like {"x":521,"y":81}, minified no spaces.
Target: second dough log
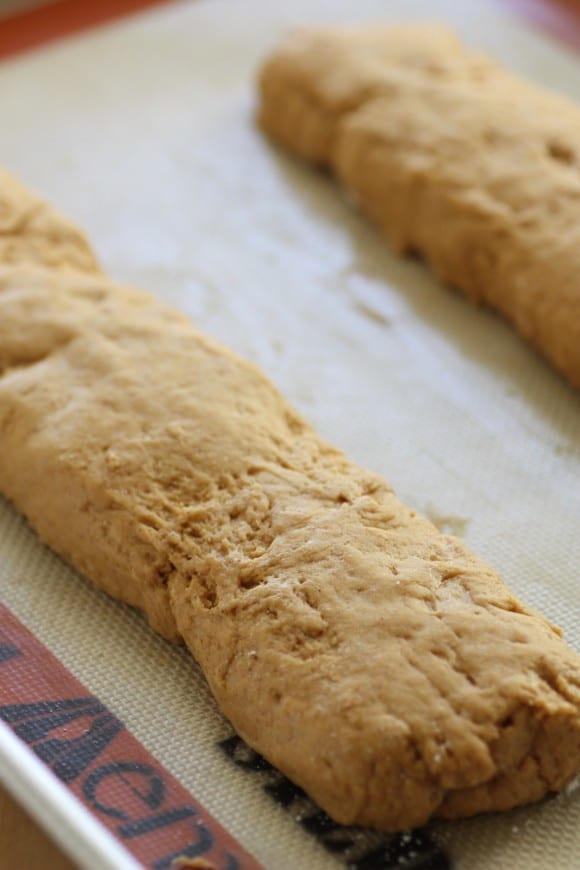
{"x":453,"y":157}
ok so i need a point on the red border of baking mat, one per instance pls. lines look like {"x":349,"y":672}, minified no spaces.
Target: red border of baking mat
{"x":89,"y":749}
{"x":36,"y":25}
{"x":32,"y":27}
{"x":560,"y":18}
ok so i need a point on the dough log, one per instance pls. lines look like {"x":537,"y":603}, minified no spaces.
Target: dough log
{"x":378,"y":663}
{"x":452,"y":157}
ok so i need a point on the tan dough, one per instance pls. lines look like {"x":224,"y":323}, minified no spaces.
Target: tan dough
{"x":452,"y":157}
{"x":375,"y":661}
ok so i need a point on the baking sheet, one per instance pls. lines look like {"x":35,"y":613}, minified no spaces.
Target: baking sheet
{"x":142,"y":132}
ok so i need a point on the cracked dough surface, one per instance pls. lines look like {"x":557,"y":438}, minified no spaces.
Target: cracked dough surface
{"x":374,"y":660}
{"x":452,"y":157}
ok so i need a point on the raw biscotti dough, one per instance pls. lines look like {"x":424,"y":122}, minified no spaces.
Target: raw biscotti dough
{"x":374,"y":660}
{"x":453,"y":157}
{"x":33,"y":232}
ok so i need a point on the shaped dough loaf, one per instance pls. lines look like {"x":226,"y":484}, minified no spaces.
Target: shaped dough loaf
{"x":452,"y":157}
{"x":375,"y":661}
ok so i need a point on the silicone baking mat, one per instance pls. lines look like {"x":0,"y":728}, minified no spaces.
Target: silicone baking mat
{"x":141,"y":130}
